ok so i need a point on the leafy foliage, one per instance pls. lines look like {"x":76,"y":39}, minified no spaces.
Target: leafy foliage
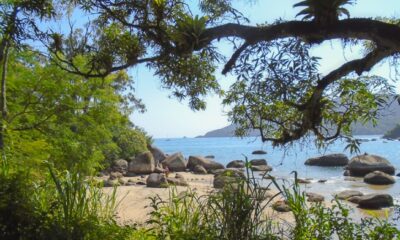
{"x":323,"y":11}
{"x":75,"y":122}
{"x":275,"y":87}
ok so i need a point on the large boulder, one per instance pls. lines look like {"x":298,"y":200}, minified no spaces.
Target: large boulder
{"x":175,"y":162}
{"x":345,"y":195}
{"x":142,"y":164}
{"x":120,"y":165}
{"x":379,"y":178}
{"x":236,"y":164}
{"x":361,"y":165}
{"x":208,"y":164}
{"x":158,"y":154}
{"x":375,"y":201}
{"x":330,"y":160}
{"x":227,"y":176}
{"x":156,"y":180}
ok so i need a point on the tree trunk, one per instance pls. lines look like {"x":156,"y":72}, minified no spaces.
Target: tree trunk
{"x":3,"y":94}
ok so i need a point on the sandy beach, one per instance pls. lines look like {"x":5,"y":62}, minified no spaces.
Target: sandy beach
{"x":134,"y":201}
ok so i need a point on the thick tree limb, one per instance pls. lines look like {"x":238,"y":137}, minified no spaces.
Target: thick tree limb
{"x":384,"y":34}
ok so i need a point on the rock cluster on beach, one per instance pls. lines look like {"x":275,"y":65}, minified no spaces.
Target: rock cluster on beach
{"x":158,"y":166}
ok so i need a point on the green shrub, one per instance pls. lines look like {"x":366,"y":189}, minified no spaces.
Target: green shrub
{"x":19,"y":216}
{"x":184,"y":216}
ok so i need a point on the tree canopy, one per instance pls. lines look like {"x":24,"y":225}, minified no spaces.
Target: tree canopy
{"x":279,"y":88}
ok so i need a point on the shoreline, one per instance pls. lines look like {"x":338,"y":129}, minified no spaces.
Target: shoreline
{"x":134,"y":201}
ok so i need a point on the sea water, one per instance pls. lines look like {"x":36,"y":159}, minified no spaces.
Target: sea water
{"x":292,"y":158}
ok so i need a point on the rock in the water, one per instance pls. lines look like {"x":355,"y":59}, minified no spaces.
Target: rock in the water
{"x":258,"y":162}
{"x":303,"y":181}
{"x":198,"y":169}
{"x":346,"y":173}
{"x":322,"y":181}
{"x":227,"y":176}
{"x":261,"y":168}
{"x":281,"y":206}
{"x":205,"y":162}
{"x":142,"y":164}
{"x":259,"y":152}
{"x":361,"y":165}
{"x":398,"y":175}
{"x":379,"y":178}
{"x":314,"y":197}
{"x":158,"y":154}
{"x":175,"y":162}
{"x":210,"y":156}
{"x":330,"y":160}
{"x":344,"y":195}
{"x":156,"y":180}
{"x":120,"y":165}
{"x":375,"y":201}
{"x":115,"y":175}
{"x":236,"y":164}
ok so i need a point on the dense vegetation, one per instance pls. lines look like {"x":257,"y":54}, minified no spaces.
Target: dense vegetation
{"x":65,"y":103}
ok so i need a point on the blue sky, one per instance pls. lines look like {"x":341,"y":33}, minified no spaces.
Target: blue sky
{"x":168,"y":118}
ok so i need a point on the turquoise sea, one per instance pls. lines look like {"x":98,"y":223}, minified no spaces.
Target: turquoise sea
{"x":284,"y":161}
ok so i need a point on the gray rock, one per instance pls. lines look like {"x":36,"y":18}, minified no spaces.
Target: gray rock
{"x":156,"y":180}
{"x":115,"y":175}
{"x":398,"y":175}
{"x":281,"y":206}
{"x":346,"y":173}
{"x":175,"y":162}
{"x":322,"y":181}
{"x":379,"y":178}
{"x":361,"y":165}
{"x":205,"y":162}
{"x":120,"y":165}
{"x":236,"y":164}
{"x":258,"y":162}
{"x":355,"y":199}
{"x":178,"y":180}
{"x":227,"y":176}
{"x":261,"y":168}
{"x":314,"y":197}
{"x":142,"y":164}
{"x":210,"y":156}
{"x":111,"y":183}
{"x":344,"y":195}
{"x":158,"y":154}
{"x":198,"y":169}
{"x":375,"y":201}
{"x":329,"y":160}
{"x":259,"y":152}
